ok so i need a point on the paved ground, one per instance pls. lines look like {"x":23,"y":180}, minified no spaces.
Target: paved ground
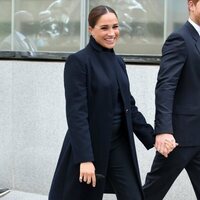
{"x":17,"y":195}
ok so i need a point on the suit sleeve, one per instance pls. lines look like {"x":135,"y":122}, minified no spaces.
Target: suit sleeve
{"x":172,"y":62}
{"x":75,"y":81}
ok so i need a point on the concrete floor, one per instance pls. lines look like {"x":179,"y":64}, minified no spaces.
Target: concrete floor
{"x":18,"y":195}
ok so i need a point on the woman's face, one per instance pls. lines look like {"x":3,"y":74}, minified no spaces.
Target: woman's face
{"x":106,"y":30}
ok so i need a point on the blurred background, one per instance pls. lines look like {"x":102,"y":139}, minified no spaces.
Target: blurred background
{"x":61,"y":25}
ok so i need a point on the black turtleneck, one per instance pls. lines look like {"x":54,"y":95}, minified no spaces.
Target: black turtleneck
{"x":118,"y":102}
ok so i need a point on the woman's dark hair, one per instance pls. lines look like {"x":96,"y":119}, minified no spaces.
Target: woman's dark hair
{"x":97,"y":12}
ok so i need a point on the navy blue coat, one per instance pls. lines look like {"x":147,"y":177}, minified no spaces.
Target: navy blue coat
{"x":178,"y":87}
{"x":90,"y":92}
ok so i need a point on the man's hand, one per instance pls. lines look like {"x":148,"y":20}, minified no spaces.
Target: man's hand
{"x":87,"y":173}
{"x":165,"y":143}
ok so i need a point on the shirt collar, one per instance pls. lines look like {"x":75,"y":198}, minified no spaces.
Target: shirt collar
{"x":196,"y":26}
{"x":20,"y":35}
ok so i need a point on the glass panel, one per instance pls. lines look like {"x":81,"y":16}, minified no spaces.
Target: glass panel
{"x":5,"y":23}
{"x":47,"y":25}
{"x":176,"y":15}
{"x":54,"y":26}
{"x":142,"y":23}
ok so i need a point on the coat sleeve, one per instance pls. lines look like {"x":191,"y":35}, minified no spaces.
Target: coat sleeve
{"x":172,"y":62}
{"x":75,"y":81}
{"x":141,"y":128}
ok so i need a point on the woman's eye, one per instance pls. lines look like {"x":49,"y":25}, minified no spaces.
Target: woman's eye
{"x":104,"y":28}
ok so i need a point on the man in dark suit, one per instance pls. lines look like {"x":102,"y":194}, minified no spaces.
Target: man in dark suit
{"x":178,"y":109}
{"x":20,"y":39}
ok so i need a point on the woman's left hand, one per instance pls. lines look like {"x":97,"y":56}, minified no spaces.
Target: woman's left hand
{"x":165,"y":143}
{"x":87,"y":173}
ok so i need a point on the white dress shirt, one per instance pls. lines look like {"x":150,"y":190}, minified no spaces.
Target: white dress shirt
{"x":196,"y":26}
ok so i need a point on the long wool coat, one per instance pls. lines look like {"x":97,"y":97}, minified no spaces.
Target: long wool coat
{"x":91,"y":94}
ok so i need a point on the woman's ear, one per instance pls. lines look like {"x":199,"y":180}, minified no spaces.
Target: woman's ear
{"x":90,"y":30}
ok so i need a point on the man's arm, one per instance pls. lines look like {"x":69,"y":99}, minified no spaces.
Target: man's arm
{"x":172,"y":62}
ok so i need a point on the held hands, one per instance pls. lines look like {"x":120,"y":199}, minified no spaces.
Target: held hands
{"x":165,"y":143}
{"x":87,"y":173}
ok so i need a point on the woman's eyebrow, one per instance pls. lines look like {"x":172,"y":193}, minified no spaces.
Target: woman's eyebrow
{"x":108,"y":25}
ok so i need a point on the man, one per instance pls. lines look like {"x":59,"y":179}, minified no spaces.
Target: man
{"x":20,"y":40}
{"x":178,"y":109}
{"x":4,"y":191}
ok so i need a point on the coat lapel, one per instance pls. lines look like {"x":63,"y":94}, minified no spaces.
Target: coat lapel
{"x":122,"y":81}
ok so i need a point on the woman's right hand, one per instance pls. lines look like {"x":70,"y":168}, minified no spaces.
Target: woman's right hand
{"x":87,"y":173}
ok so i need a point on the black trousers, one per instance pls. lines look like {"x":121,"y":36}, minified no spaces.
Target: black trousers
{"x":121,"y":172}
{"x":164,"y":171}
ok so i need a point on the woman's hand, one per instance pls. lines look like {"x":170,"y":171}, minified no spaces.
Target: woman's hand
{"x":87,"y":173}
{"x":165,"y":143}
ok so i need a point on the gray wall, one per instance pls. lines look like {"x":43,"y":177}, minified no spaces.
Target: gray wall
{"x":33,"y":125}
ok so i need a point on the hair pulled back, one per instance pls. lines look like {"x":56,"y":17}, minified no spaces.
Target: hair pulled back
{"x":97,"y":12}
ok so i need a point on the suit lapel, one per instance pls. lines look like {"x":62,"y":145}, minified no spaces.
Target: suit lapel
{"x":194,"y":34}
{"x":198,"y":44}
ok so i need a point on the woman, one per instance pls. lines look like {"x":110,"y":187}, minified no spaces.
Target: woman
{"x":98,"y":154}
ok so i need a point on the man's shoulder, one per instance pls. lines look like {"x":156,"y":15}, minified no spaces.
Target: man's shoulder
{"x":184,"y":31}
{"x":181,"y":34}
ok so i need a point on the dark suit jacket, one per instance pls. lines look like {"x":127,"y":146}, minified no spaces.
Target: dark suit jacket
{"x":90,"y":97}
{"x":21,"y":43}
{"x":178,"y":87}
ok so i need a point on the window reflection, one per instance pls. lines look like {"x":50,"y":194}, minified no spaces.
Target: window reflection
{"x":5,"y":19}
{"x":59,"y":27}
{"x":49,"y":26}
{"x":19,"y":40}
{"x":141,"y":25}
{"x":54,"y":25}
